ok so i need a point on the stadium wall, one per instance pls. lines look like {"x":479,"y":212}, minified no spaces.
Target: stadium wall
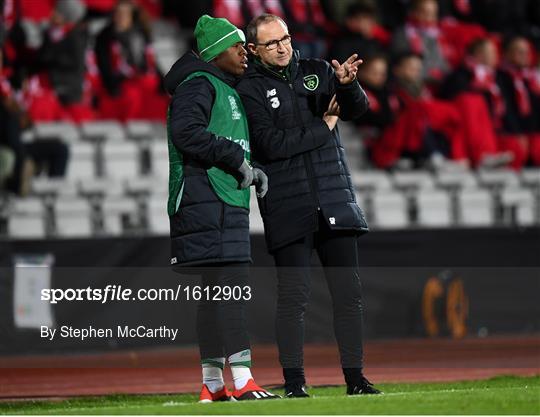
{"x":449,"y":283}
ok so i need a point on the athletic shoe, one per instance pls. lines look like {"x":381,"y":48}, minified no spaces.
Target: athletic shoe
{"x":295,"y":391}
{"x":208,"y":397}
{"x":363,"y":387}
{"x":252,"y":391}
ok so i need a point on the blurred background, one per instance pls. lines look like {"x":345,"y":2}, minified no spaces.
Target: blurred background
{"x":446,"y":163}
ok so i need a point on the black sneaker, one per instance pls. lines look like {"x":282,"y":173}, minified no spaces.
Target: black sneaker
{"x":361,"y":388}
{"x":295,"y":391}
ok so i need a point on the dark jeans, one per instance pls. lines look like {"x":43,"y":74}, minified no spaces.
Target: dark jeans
{"x":50,"y":155}
{"x":337,"y":251}
{"x":222,"y":325}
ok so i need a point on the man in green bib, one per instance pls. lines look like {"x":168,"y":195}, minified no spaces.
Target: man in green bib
{"x":208,"y":207}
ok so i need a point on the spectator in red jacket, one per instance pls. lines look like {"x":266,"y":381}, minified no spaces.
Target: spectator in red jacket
{"x":131,"y":81}
{"x":520,"y":88}
{"x":473,"y":88}
{"x":426,"y":131}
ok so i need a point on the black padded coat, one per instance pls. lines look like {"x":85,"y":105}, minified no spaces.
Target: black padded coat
{"x":304,"y":160}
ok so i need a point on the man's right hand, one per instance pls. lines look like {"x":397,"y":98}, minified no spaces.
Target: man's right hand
{"x":247,"y":174}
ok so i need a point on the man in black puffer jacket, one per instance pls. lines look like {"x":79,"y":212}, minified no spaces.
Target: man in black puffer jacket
{"x":310,"y":203}
{"x":209,"y":199}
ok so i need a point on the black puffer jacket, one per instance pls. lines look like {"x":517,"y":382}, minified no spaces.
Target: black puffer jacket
{"x":204,"y":230}
{"x":304,"y":160}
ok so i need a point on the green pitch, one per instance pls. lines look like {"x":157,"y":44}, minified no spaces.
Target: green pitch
{"x":501,"y":395}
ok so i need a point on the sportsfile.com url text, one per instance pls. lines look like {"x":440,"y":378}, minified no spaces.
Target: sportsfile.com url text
{"x":120,"y":293}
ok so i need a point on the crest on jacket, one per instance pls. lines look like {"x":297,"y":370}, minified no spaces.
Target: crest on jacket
{"x":311,"y":82}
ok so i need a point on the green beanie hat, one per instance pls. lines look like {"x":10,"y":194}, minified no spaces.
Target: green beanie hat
{"x":215,"y":35}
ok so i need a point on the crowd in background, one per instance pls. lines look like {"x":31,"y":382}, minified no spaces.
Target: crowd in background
{"x":451,"y":83}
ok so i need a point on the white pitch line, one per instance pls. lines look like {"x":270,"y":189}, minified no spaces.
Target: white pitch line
{"x":315,"y":398}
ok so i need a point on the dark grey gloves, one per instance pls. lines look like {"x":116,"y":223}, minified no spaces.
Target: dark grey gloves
{"x":253,"y":176}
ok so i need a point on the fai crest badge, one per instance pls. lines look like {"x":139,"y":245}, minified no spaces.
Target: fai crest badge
{"x":311,"y":82}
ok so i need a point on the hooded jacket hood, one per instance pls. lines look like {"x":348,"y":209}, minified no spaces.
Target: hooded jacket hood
{"x":187,"y":65}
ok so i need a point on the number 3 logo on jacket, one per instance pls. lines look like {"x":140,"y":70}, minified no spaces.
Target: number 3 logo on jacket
{"x":274,"y":101}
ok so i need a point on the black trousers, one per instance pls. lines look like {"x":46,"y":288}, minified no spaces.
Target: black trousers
{"x":337,"y":251}
{"x":221,"y":324}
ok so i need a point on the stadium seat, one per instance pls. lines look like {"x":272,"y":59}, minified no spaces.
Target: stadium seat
{"x":65,"y":131}
{"x":456,"y":179}
{"x":104,"y":130}
{"x":371,"y":180}
{"x":531,"y":177}
{"x":26,"y":218}
{"x":157,"y":218}
{"x":118,"y":214}
{"x":73,"y":218}
{"x":45,"y":186}
{"x":475,"y":208}
{"x":121,"y":160}
{"x":159,"y":159}
{"x":413,"y":180}
{"x":138,"y":130}
{"x":389,"y":210}
{"x":146,"y":185}
{"x":101,"y":187}
{"x":498,"y":178}
{"x":518,"y":207}
{"x":82,"y":161}
{"x":434,"y":208}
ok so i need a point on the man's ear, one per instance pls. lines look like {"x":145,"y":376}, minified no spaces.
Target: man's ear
{"x":253,"y":49}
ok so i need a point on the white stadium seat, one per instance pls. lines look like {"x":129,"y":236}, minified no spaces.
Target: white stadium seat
{"x":147,"y":185}
{"x":518,"y":206}
{"x":158,"y":220}
{"x":531,"y":177}
{"x":413,"y":180}
{"x":456,"y":179}
{"x":117,"y":212}
{"x":82,"y":161}
{"x":159,"y":159}
{"x":475,"y":207}
{"x":498,"y":178}
{"x":434,"y":208}
{"x":45,"y":186}
{"x":138,"y":130}
{"x":101,"y":187}
{"x":26,"y":218}
{"x":65,"y":131}
{"x":389,"y":210}
{"x":121,"y":160}
{"x":107,"y":130}
{"x":371,"y":180}
{"x":73,"y":218}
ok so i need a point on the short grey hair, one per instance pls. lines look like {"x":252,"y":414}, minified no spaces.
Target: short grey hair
{"x":253,"y":26}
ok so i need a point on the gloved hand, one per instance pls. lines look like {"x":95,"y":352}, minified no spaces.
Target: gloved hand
{"x":260,"y":181}
{"x":247,"y":174}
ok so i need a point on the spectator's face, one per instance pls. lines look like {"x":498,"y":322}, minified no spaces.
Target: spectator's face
{"x":361,"y":23}
{"x":267,"y":33}
{"x":519,"y":53}
{"x":375,"y":73}
{"x":123,"y":17}
{"x":409,"y":70}
{"x":56,"y":19}
{"x":488,"y":55}
{"x":427,"y":12}
{"x":233,"y":60}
